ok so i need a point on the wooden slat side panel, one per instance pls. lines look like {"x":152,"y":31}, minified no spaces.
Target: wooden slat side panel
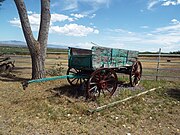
{"x":100,"y":57}
{"x":133,"y":54}
{"x":132,"y":57}
{"x":112,"y":57}
{"x":119,"y":57}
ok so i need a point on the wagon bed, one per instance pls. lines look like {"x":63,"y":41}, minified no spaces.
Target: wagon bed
{"x":100,"y":57}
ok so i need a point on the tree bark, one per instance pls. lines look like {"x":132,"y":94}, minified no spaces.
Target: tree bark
{"x":38,"y":47}
{"x":44,"y":29}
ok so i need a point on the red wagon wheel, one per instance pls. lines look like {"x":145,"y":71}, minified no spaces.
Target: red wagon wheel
{"x":135,"y":74}
{"x":74,"y":81}
{"x":102,"y":81}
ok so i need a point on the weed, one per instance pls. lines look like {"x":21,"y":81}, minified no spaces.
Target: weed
{"x":55,"y":70}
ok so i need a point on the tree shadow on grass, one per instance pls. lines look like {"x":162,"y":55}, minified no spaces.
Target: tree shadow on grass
{"x":77,"y":91}
{"x":70,"y":91}
{"x":174,"y":93}
{"x":11,"y":78}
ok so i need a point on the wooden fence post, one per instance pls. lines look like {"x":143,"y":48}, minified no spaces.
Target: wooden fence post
{"x":158,"y":61}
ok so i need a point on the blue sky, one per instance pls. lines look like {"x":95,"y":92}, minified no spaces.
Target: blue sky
{"x":143,"y":25}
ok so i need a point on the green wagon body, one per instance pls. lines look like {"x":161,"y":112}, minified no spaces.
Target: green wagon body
{"x":99,"y":57}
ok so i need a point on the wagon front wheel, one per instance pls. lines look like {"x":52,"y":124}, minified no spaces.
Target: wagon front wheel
{"x":74,"y":81}
{"x":102,"y":81}
{"x":135,"y":74}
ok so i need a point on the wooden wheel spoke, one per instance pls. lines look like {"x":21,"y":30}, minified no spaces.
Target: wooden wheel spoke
{"x":73,"y":79}
{"x":72,"y":72}
{"x":93,"y":83}
{"x":76,"y":70}
{"x":94,"y":87}
{"x":108,"y":90}
{"x":81,"y":81}
{"x":102,"y":81}
{"x":97,"y":77}
{"x":110,"y":79}
{"x":103,"y":92}
{"x":77,"y":81}
{"x":108,"y":75}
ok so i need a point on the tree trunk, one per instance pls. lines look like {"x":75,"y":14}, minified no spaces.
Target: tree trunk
{"x":38,"y":47}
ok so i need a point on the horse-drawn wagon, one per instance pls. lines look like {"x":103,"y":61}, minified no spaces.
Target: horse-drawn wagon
{"x":97,"y":68}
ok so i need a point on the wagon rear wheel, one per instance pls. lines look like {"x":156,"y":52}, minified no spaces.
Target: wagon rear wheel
{"x":74,"y":81}
{"x":135,"y":74}
{"x":102,"y":81}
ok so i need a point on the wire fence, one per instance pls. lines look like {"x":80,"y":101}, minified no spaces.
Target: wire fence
{"x":155,"y":66}
{"x":160,"y":66}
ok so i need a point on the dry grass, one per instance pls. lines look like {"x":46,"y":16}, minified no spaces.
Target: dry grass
{"x":56,"y":108}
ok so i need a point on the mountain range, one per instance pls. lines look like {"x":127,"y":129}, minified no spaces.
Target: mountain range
{"x":16,"y":43}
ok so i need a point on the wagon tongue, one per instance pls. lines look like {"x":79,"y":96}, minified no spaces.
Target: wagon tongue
{"x":26,"y":83}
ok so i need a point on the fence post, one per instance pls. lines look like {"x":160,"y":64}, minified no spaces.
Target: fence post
{"x":158,"y":61}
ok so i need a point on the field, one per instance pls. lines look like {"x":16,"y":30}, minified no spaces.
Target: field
{"x":56,"y":108}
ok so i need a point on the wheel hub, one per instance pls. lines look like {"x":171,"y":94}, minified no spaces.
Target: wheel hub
{"x":137,"y":74}
{"x":103,"y":84}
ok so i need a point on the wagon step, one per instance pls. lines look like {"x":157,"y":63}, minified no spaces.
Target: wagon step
{"x":26,"y":83}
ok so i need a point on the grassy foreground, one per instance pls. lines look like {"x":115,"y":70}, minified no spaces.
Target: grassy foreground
{"x":56,"y":108}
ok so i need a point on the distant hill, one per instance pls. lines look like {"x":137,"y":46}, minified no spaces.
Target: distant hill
{"x":15,"y":43}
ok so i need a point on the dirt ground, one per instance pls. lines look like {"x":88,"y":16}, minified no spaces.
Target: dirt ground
{"x":55,"y":108}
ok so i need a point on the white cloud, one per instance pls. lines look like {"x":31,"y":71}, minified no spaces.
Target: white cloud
{"x":60,"y":18}
{"x":171,"y":2}
{"x":174,"y":21}
{"x":73,"y":30}
{"x":121,"y":31}
{"x":29,"y":12}
{"x":15,"y":22}
{"x":167,"y":29}
{"x":34,"y":20}
{"x":92,"y":16}
{"x":144,"y":27}
{"x":70,"y":5}
{"x":78,"y":15}
{"x":167,"y":3}
{"x":152,"y":3}
{"x":85,"y":45}
{"x":149,"y":34}
{"x":76,"y":5}
{"x":88,"y":45}
{"x":55,"y":4}
{"x":68,"y":29}
{"x":167,"y":38}
{"x":96,"y":31}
